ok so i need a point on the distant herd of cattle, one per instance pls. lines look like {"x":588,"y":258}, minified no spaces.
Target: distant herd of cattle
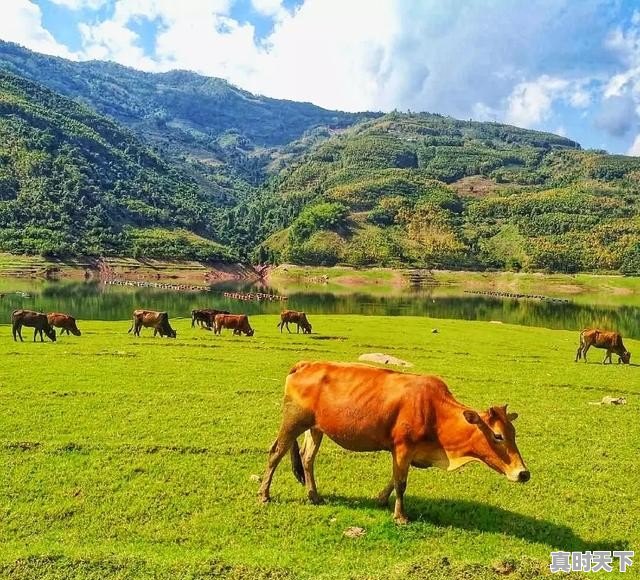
{"x":207,"y":318}
{"x":216,"y":320}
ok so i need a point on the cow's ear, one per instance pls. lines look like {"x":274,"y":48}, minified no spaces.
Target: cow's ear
{"x":493,"y":414}
{"x":512,"y":416}
{"x":472,"y":417}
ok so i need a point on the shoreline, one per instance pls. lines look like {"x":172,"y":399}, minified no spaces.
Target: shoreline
{"x":335,"y":279}
{"x":128,"y":269}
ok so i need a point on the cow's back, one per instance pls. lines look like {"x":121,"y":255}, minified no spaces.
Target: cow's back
{"x":29,"y":317}
{"x":361,"y":407}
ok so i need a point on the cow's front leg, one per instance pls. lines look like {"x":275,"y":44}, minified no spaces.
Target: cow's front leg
{"x":401,"y":463}
{"x":385,"y":494}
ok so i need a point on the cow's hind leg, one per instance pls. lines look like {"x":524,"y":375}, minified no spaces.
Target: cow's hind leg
{"x":584,"y":352}
{"x":17,"y":329}
{"x":312,"y":441}
{"x":579,"y":353}
{"x":295,"y":421}
{"x":385,"y":494}
{"x":401,"y":463}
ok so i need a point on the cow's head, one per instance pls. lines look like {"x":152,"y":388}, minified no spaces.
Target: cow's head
{"x":625,"y":357}
{"x":250,"y":332}
{"x":51,"y":333}
{"x":306,"y":326}
{"x":172,"y":333}
{"x":75,"y":330}
{"x":496,"y":445}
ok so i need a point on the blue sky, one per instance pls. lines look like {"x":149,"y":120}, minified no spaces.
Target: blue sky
{"x":567,"y":66}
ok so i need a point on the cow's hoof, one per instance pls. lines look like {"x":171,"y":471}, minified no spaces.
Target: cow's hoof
{"x":264,"y":499}
{"x":315,"y":499}
{"x":382,"y":500}
{"x":401,"y":520}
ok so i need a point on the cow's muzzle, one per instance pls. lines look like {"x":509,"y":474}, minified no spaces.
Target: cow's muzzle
{"x":521,"y":476}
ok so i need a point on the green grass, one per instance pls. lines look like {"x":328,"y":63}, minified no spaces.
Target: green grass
{"x":128,"y":458}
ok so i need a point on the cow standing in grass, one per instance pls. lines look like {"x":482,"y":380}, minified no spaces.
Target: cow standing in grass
{"x":205,"y":317}
{"x":36,"y":320}
{"x":365,"y":408}
{"x":239,"y":323}
{"x":159,"y":321}
{"x":299,"y":318}
{"x":611,"y":341}
{"x":65,"y":322}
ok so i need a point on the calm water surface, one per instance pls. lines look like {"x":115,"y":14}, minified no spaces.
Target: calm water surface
{"x":92,"y":300}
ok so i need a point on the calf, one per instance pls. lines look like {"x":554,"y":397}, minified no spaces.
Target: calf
{"x":365,"y":408}
{"x":238,"y":322}
{"x":64,"y":322}
{"x":299,"y":318}
{"x":159,"y":321}
{"x":611,"y":341}
{"x":37,"y":320}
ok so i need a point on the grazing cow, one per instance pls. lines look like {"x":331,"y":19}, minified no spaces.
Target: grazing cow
{"x":612,"y":341}
{"x":205,"y":317}
{"x":64,"y":322}
{"x":238,"y":322}
{"x":159,"y":321}
{"x":300,"y":318}
{"x":365,"y":408}
{"x":37,"y":320}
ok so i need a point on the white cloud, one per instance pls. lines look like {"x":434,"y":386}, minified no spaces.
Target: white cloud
{"x":110,"y":41}
{"x":530,"y":102}
{"x":635,"y":147}
{"x":21,"y":23}
{"x":81,"y":4}
{"x":272,"y":8}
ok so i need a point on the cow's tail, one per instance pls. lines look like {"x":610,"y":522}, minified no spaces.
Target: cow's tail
{"x":296,"y":462}
{"x":132,"y":325}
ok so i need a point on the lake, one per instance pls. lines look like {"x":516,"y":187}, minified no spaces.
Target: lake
{"x":93,"y":300}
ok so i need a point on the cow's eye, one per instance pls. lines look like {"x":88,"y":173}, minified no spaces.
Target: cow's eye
{"x":498,"y":436}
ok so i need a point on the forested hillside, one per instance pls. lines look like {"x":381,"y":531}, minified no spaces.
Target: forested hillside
{"x":433,"y":191}
{"x":223,"y":136}
{"x":121,"y":162}
{"x":73,"y":182}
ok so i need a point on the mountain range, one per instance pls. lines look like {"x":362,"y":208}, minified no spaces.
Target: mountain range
{"x":99,"y":159}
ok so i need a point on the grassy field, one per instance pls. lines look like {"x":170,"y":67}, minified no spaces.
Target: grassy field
{"x":133,"y":458}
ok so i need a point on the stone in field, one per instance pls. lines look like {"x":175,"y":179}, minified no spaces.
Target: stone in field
{"x":384,"y":359}
{"x":354,"y":532}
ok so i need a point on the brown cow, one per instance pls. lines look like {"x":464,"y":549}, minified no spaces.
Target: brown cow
{"x":37,"y":320}
{"x":612,"y":341}
{"x":159,"y":321}
{"x":238,"y":322}
{"x":205,"y":317}
{"x":365,"y":408}
{"x":65,"y":322}
{"x":300,"y":318}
